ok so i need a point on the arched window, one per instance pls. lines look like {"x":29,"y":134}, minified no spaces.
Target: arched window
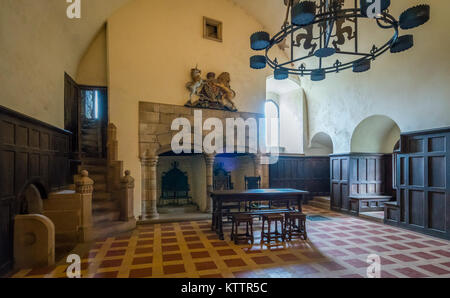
{"x":272,"y":114}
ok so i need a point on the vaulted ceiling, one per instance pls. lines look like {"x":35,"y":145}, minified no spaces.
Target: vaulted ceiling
{"x":269,"y":13}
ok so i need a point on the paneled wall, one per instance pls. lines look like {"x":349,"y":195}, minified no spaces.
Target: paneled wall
{"x":359,"y":173}
{"x":31,"y":152}
{"x":423,"y":183}
{"x":311,"y":173}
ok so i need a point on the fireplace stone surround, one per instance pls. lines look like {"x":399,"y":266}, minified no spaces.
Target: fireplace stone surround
{"x":155,"y":136}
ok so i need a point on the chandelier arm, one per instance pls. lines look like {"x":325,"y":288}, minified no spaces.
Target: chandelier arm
{"x":327,"y":16}
{"x":296,"y":60}
{"x":331,"y":16}
{"x":353,"y":53}
{"x":332,"y":69}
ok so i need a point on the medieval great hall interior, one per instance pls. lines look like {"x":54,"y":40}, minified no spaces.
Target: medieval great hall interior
{"x":224,"y":139}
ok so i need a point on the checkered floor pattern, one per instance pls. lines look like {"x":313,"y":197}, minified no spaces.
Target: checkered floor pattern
{"x":335,"y":248}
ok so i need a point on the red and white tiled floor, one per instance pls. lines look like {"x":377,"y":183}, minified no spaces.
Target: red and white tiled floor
{"x":335,"y":248}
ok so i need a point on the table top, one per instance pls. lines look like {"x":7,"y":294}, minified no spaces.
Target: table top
{"x":259,"y":192}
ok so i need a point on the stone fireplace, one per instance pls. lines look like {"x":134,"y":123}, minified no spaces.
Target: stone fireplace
{"x":155,"y":137}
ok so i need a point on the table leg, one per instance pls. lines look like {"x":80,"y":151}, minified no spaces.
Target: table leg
{"x":214,"y":215}
{"x":220,"y":220}
{"x":300,"y":197}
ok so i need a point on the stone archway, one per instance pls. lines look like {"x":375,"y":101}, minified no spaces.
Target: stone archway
{"x":375,"y":134}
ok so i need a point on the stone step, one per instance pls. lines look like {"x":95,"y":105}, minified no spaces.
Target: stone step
{"x":89,"y":148}
{"x":103,"y":216}
{"x":89,"y":144}
{"x":319,"y":205}
{"x":91,"y":161}
{"x":177,"y":210}
{"x":90,"y":137}
{"x":104,"y":205}
{"x":98,"y":178}
{"x":325,"y":200}
{"x":106,"y":229}
{"x":101,"y":196}
{"x":88,"y":131}
{"x":93,"y":169}
{"x":373,"y":216}
{"x":99,"y":187}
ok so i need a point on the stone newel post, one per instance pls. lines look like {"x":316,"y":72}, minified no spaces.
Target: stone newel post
{"x":149,"y":191}
{"x":209,"y":159}
{"x":127,"y":197}
{"x":85,"y":186}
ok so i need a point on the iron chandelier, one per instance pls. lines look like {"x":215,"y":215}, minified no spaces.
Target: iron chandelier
{"x":329,"y":19}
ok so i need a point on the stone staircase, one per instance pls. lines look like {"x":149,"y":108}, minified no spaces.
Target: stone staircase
{"x":320,"y":202}
{"x":91,"y":138}
{"x":105,"y":208}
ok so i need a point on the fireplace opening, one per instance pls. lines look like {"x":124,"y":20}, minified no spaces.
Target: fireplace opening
{"x":175,"y":187}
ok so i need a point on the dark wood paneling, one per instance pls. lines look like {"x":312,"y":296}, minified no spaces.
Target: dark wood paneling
{"x":31,"y":152}
{"x":423,"y":172}
{"x":359,"y":174}
{"x":311,"y":173}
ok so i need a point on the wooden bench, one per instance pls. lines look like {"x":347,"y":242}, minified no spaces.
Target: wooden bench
{"x":367,"y":203}
{"x":391,"y":211}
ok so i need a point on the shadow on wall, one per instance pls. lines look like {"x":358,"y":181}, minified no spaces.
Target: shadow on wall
{"x":375,"y":134}
{"x":30,"y":199}
{"x":321,"y":145}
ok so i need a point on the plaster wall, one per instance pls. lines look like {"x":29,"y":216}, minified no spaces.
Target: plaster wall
{"x":411,"y":87}
{"x":38,"y":44}
{"x":92,"y":70}
{"x":291,"y":122}
{"x":151,"y":47}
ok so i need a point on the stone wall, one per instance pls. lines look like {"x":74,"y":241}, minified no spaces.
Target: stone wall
{"x":155,"y":121}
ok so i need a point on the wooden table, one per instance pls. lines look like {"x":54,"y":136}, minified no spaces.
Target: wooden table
{"x":252,"y":195}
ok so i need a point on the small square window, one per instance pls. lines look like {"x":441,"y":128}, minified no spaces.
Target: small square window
{"x":212,"y":29}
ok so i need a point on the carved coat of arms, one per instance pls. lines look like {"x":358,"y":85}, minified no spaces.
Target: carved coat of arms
{"x":212,"y":92}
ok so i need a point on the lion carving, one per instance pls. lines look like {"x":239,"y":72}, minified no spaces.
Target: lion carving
{"x":212,"y":92}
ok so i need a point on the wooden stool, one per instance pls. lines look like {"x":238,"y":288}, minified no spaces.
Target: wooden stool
{"x":276,"y":217}
{"x":237,"y":220}
{"x":295,"y":225}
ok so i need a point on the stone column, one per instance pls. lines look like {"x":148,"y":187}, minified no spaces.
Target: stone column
{"x":265,"y":158}
{"x":127,"y":197}
{"x":149,"y":190}
{"x":84,"y":186}
{"x":257,"y":159}
{"x":262,"y":169}
{"x":209,"y":160}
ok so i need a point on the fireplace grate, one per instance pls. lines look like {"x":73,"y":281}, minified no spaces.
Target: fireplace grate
{"x":175,"y":187}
